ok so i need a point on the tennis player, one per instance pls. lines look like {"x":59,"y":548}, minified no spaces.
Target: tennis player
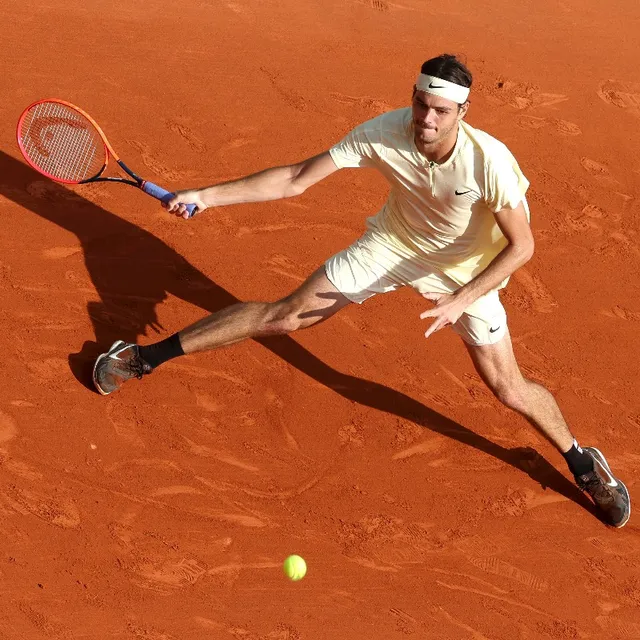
{"x":454,"y":228}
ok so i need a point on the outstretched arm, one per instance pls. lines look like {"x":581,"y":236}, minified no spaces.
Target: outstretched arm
{"x":270,"y":184}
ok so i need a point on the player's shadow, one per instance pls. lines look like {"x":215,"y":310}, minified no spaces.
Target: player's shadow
{"x":133,"y":271}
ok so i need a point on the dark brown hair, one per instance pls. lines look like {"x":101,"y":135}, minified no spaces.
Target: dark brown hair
{"x":448,"y":67}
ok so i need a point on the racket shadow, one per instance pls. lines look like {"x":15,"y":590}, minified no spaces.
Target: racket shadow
{"x":133,"y":271}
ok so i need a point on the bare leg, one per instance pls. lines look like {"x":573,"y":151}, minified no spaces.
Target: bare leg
{"x":496,"y":364}
{"x":313,"y":302}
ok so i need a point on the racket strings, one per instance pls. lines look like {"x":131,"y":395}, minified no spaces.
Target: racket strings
{"x":62,"y":142}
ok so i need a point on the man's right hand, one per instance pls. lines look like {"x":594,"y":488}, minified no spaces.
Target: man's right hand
{"x":176,"y":206}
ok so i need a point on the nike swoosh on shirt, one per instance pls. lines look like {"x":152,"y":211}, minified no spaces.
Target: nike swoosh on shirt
{"x":492,"y":330}
{"x":461,"y":193}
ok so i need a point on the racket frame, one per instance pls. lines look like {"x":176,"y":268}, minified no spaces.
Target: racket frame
{"x":148,"y":187}
{"x":108,"y":149}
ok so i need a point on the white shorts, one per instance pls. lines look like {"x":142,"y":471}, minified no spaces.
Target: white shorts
{"x":370,"y":266}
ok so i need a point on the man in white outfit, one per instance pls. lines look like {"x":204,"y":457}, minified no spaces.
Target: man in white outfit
{"x":455,"y":227}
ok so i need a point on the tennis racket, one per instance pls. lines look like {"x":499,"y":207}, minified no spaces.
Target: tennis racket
{"x":66,"y":144}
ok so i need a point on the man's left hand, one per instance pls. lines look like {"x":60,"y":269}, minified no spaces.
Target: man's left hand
{"x":447,"y":311}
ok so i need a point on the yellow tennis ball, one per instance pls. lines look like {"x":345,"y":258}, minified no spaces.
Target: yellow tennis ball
{"x":295,"y":568}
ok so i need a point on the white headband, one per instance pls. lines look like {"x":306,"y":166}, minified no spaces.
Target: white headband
{"x":442,"y":88}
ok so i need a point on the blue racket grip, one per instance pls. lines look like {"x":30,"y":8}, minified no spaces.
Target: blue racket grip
{"x":162,"y":194}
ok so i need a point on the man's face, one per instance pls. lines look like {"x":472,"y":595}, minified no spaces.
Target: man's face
{"x":434,"y":118}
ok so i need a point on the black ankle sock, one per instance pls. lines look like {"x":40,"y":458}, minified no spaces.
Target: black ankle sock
{"x":156,"y":354}
{"x":579,"y":462}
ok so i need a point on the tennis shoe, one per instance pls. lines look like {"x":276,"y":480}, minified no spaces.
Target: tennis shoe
{"x":607,"y":492}
{"x":121,"y":363}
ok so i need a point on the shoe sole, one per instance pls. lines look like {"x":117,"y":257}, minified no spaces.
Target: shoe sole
{"x":115,"y":345}
{"x":597,"y":454}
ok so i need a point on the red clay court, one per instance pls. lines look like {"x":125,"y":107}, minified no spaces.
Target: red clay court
{"x":422,"y":507}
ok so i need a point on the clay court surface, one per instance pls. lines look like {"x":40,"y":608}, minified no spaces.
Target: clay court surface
{"x":422,"y":506}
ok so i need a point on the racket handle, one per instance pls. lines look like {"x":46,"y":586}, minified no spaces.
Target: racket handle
{"x":162,"y":194}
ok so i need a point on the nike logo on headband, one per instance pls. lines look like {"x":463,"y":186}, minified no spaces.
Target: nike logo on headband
{"x":435,"y":86}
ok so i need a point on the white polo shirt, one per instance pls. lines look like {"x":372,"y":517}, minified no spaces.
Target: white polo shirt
{"x":443,"y":212}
